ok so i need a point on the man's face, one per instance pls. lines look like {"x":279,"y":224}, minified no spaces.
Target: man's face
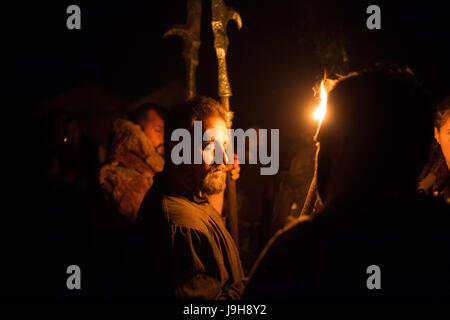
{"x":72,"y":131}
{"x":214,"y":174}
{"x":442,"y":136}
{"x":154,"y":130}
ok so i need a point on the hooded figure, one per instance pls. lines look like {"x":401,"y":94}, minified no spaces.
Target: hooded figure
{"x":128,"y":173}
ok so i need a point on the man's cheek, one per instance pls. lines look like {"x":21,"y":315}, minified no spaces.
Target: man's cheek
{"x":208,"y":157}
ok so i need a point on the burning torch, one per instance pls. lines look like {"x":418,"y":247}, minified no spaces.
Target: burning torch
{"x":319,"y":115}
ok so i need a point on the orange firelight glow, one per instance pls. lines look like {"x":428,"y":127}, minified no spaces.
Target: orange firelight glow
{"x":321,"y":110}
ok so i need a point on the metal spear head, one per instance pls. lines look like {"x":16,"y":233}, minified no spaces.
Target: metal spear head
{"x":190,"y":33}
{"x":221,"y":15}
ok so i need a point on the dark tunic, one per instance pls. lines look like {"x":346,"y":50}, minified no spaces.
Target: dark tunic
{"x":326,"y":256}
{"x":437,"y":179}
{"x":203,"y":259}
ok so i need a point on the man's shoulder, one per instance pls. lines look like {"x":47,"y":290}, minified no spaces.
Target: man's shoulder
{"x":295,"y":228}
{"x":275,"y":273}
{"x":292,"y":237}
{"x":183,"y":212}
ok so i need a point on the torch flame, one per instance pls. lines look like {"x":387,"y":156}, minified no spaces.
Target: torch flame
{"x":321,"y":110}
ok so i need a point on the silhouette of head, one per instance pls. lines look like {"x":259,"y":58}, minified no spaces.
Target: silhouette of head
{"x":377,"y":132}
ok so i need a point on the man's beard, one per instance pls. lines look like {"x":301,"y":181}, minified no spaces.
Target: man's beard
{"x":160,"y":149}
{"x":213,"y":184}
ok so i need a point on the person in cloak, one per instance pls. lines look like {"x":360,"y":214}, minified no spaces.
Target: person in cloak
{"x":135,"y":155}
{"x":376,"y":236}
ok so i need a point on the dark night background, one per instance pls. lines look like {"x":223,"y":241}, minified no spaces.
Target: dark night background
{"x":273,"y":61}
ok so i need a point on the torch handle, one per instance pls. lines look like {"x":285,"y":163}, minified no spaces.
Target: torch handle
{"x":232,"y":221}
{"x":311,"y":198}
{"x":232,"y":214}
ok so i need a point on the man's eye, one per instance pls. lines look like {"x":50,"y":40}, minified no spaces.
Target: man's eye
{"x":209,"y":146}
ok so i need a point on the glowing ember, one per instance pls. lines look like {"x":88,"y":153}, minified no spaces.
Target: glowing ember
{"x":321,"y":110}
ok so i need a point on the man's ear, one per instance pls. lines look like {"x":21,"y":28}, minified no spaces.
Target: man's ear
{"x":436,"y":135}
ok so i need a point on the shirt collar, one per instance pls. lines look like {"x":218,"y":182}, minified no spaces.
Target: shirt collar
{"x":161,"y":180}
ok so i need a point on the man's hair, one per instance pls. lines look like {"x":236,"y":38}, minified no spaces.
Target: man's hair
{"x":386,"y":114}
{"x":182,"y":116}
{"x":442,"y":113}
{"x":139,"y":115}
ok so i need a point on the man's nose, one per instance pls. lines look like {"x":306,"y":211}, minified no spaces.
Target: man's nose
{"x":225,"y":157}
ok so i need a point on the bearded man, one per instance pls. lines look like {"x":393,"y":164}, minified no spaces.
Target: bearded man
{"x":187,"y":251}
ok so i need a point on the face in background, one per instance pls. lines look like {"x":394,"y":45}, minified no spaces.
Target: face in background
{"x":72,"y":132}
{"x":154,"y":130}
{"x":442,"y":136}
{"x":213,"y":174}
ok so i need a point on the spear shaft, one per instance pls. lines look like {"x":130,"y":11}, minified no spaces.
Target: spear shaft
{"x":221,"y":15}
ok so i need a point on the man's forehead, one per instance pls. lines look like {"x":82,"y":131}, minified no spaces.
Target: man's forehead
{"x":215,"y":126}
{"x":446,"y":124}
{"x":153,"y":116}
